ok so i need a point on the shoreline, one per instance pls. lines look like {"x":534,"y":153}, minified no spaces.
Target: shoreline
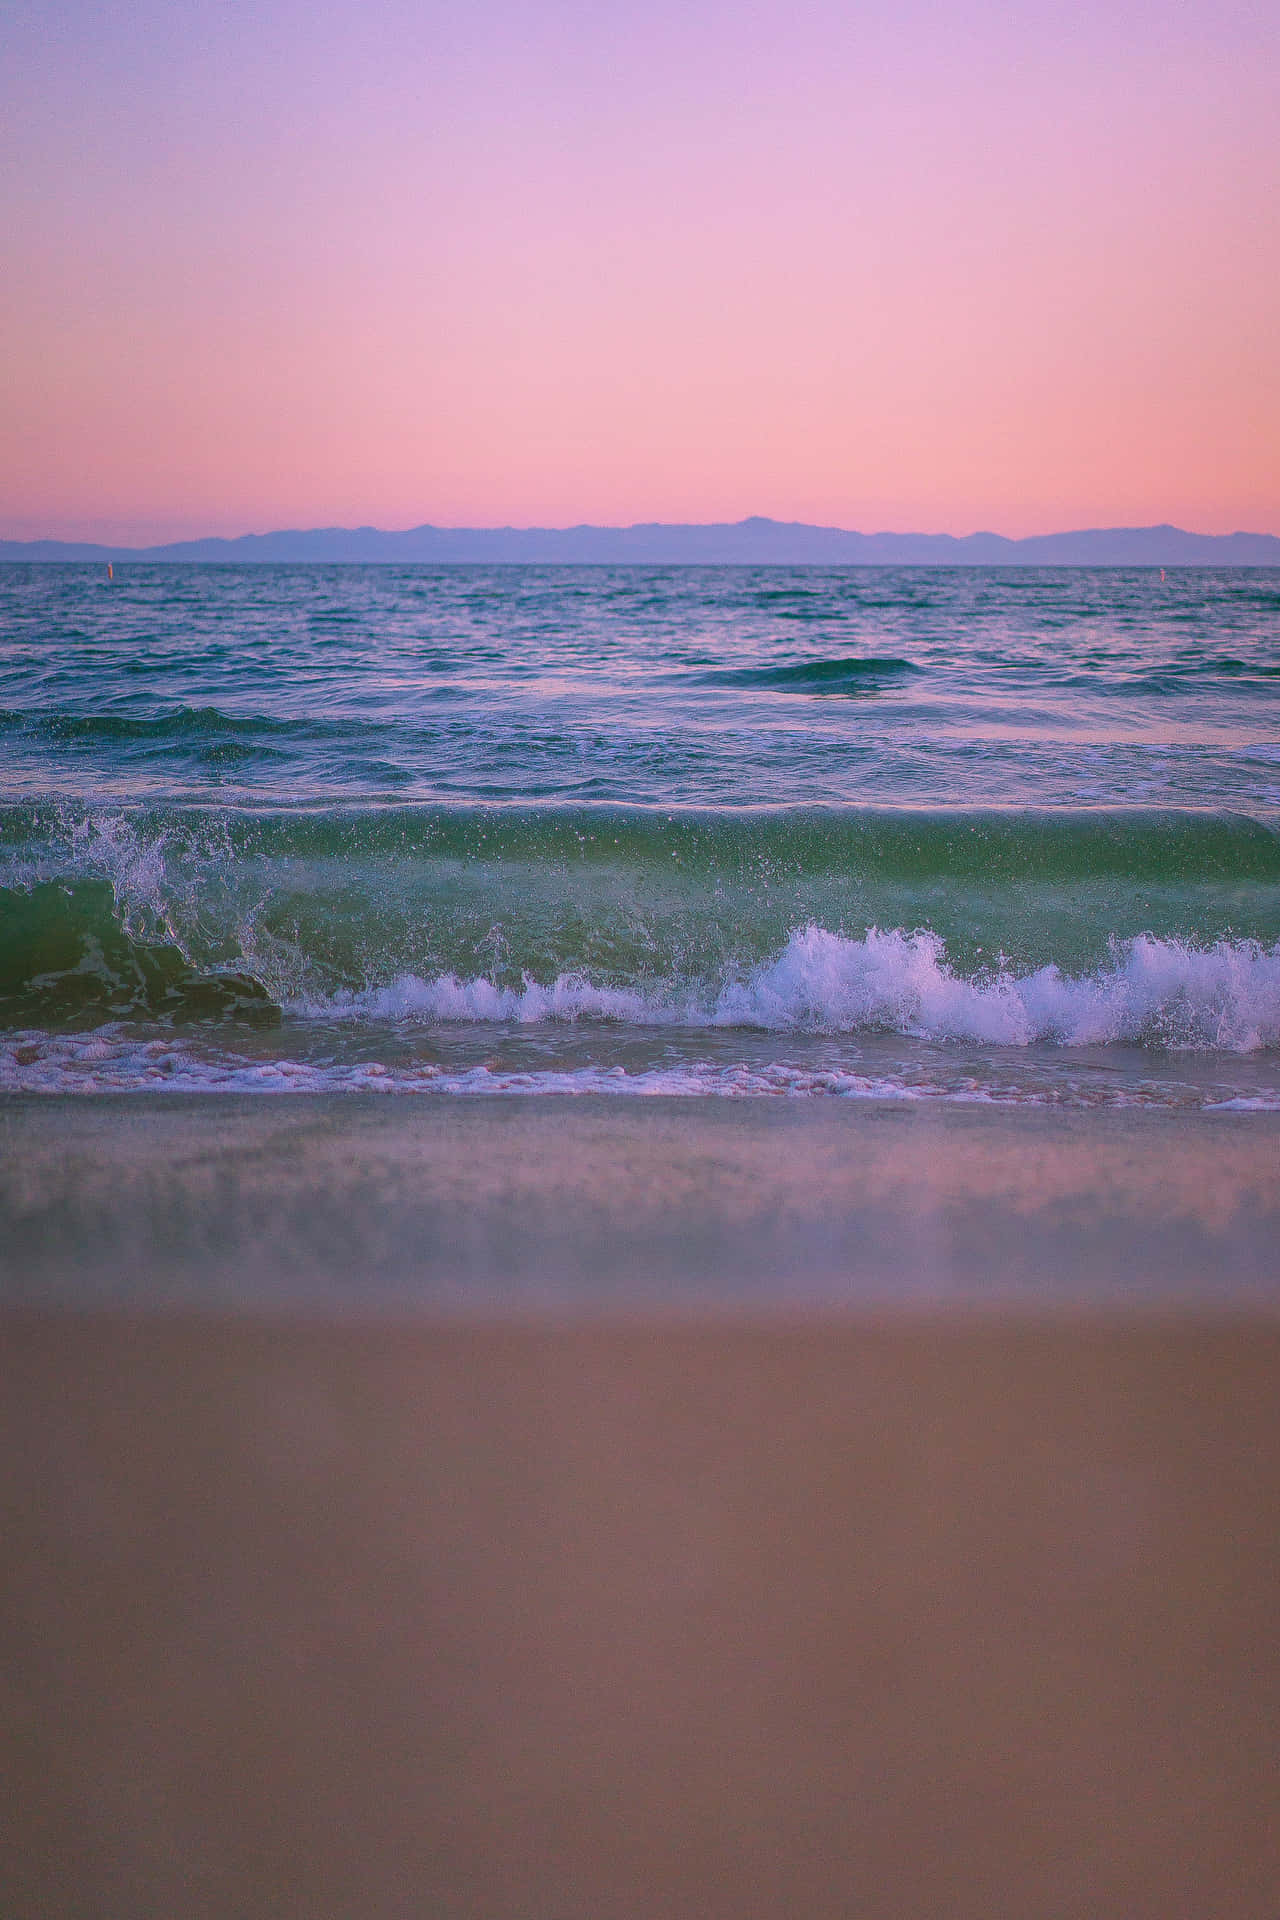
{"x":500,"y":1207}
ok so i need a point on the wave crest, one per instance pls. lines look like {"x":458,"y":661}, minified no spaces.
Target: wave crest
{"x":1161,"y":993}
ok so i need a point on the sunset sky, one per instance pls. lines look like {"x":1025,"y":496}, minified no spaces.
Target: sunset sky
{"x":939,"y":267}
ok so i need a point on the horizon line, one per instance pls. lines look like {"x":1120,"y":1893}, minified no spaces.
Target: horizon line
{"x":637,"y":526}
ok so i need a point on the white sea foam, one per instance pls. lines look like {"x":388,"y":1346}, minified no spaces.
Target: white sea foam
{"x":117,"y":1059}
{"x":1224,"y":998}
{"x":111,"y":1060}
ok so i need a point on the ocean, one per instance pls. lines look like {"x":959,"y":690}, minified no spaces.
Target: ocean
{"x":927,"y":835}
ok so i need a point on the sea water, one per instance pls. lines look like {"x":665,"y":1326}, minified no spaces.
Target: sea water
{"x":922,"y":834}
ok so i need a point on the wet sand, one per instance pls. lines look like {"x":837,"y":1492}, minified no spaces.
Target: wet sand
{"x":360,"y":1559}
{"x":491,"y":1206}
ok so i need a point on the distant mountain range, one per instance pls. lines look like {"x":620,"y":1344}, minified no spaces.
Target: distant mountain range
{"x":754,"y":542}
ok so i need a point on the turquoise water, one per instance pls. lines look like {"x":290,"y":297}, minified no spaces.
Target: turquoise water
{"x":971,"y":834}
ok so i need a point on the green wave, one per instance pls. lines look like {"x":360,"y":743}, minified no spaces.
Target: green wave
{"x":179,"y":723}
{"x":204,"y":912}
{"x":65,"y":955}
{"x":854,"y":675}
{"x":1038,"y":845}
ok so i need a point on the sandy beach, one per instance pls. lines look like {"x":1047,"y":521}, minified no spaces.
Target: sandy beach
{"x":627,"y":1566}
{"x":831,"y":1618}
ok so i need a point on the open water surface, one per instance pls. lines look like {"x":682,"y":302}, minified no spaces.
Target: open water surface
{"x":970,"y":834}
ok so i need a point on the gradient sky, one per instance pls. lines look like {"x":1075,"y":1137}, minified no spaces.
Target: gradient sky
{"x":920,"y":266}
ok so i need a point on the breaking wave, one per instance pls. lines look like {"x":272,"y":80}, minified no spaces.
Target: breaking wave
{"x":1083,"y":930}
{"x":1157,"y":993}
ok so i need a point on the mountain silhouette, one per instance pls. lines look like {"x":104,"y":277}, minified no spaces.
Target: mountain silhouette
{"x":753,"y":542}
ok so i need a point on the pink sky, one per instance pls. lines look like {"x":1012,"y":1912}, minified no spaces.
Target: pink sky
{"x":931,"y":266}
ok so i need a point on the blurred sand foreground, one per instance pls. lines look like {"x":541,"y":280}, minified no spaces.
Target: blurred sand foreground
{"x":816,"y":1612}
